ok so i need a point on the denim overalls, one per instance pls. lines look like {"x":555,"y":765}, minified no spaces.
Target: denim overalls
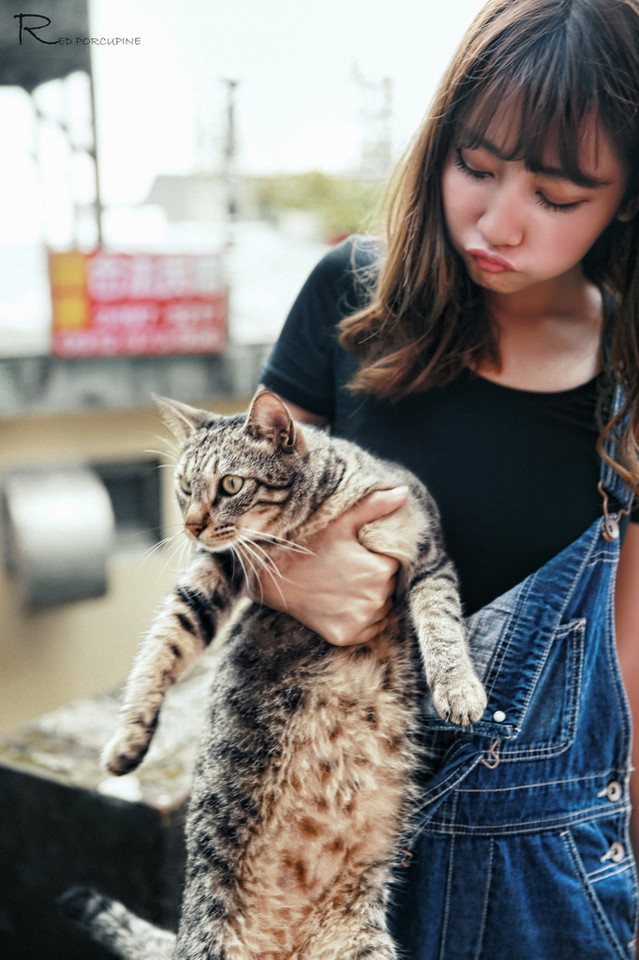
{"x":523,"y":850}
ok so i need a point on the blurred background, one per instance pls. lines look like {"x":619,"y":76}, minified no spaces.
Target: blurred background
{"x":170,"y":174}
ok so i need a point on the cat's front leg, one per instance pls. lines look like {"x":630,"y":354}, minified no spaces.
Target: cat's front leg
{"x":431,"y":587}
{"x":187,"y":623}
{"x":412,"y":535}
{"x":458,"y":694}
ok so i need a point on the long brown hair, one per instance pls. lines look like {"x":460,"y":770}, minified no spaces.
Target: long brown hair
{"x":560,"y":63}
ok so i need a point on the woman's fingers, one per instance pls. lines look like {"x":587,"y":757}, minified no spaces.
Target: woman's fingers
{"x":341,"y":590}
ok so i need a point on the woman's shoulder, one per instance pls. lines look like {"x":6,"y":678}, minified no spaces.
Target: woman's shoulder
{"x":348,"y":270}
{"x":307,"y":360}
{"x":356,"y":252}
{"x":340,"y":284}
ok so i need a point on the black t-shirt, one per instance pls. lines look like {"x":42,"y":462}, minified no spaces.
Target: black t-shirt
{"x":514,"y":472}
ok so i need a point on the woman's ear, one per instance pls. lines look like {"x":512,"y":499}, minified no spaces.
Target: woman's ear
{"x":629,"y":210}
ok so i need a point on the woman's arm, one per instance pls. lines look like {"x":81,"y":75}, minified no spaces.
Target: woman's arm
{"x":627,"y":624}
{"x":342,"y":591}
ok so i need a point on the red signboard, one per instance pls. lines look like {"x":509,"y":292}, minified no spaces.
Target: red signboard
{"x":115,"y":304}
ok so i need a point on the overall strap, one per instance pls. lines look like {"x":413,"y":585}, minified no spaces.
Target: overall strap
{"x":617,"y":497}
{"x":611,"y":400}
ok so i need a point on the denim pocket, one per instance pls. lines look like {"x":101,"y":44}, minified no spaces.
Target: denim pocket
{"x":533,"y":682}
{"x":545,"y":716}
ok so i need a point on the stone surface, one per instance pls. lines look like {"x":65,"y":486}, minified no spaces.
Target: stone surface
{"x":63,"y":821}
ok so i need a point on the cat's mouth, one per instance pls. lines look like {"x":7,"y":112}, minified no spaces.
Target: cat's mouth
{"x":212,"y":539}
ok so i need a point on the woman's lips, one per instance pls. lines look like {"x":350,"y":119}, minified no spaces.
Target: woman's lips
{"x":490,"y":262}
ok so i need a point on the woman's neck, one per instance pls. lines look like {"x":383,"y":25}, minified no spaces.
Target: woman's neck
{"x":549,"y":338}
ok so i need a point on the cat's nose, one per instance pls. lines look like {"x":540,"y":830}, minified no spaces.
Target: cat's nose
{"x":194,"y":528}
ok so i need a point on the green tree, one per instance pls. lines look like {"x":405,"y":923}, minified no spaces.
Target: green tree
{"x":342,"y":205}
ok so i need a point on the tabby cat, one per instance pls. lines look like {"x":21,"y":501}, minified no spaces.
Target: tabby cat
{"x":305,"y":784}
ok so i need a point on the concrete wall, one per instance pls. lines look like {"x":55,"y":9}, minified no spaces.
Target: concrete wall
{"x":51,"y":656}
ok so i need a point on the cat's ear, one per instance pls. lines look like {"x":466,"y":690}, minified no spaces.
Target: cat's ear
{"x":181,"y":419}
{"x":269,"y":419}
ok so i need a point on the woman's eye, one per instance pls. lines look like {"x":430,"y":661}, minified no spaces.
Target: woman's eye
{"x":461,"y":164}
{"x":185,"y":486}
{"x":232,"y":484}
{"x":557,"y":207}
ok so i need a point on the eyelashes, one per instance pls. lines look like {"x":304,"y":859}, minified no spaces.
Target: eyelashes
{"x":461,"y":164}
{"x":540,"y":198}
{"x":557,"y":207}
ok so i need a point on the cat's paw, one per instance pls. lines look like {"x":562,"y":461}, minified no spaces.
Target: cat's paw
{"x":460,"y":698}
{"x":124,"y":752}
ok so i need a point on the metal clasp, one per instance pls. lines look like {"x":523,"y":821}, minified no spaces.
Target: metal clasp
{"x":492,"y":760}
{"x":408,"y":856}
{"x":610,"y":524}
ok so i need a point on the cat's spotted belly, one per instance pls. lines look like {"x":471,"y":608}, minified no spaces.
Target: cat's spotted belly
{"x":332,"y":814}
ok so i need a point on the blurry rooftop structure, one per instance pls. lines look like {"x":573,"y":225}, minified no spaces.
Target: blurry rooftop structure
{"x":189,"y":197}
{"x":46,"y":60}
{"x":31,"y":54}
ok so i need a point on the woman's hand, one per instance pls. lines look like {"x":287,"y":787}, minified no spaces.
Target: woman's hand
{"x":342,"y":590}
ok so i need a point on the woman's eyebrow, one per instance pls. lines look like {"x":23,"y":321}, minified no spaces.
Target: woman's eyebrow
{"x":474,"y":141}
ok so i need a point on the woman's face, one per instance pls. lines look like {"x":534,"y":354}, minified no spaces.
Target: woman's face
{"x":516,"y":229}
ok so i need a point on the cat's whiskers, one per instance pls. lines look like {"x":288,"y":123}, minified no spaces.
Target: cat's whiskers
{"x":252,"y":558}
{"x":258,"y":551}
{"x":157,"y":546}
{"x":270,"y":564}
{"x":178,"y":552}
{"x":236,"y":551}
{"x":164,"y":465}
{"x":169,"y":444}
{"x":264,"y":562}
{"x":279,"y":541}
{"x":184,"y":549}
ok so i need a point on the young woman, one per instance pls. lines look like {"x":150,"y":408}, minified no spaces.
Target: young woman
{"x":490,"y":343}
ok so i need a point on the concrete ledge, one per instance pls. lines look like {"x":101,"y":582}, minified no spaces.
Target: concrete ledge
{"x":64,"y":822}
{"x":44,"y":384}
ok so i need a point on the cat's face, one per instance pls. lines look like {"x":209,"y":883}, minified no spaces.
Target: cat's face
{"x":237,"y":480}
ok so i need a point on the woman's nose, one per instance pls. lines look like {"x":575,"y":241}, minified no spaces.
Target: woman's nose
{"x":501,"y":222}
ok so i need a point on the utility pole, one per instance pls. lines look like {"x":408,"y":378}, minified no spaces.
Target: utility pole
{"x":229,"y":158}
{"x":376,"y":113}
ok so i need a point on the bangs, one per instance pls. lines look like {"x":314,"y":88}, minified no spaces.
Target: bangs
{"x":541,"y":138}
{"x":534,"y":94}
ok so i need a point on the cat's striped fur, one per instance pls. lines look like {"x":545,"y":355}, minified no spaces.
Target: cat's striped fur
{"x":305,"y":783}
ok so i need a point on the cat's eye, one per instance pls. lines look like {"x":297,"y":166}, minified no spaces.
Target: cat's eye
{"x":185,"y":486}
{"x":232,"y":484}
